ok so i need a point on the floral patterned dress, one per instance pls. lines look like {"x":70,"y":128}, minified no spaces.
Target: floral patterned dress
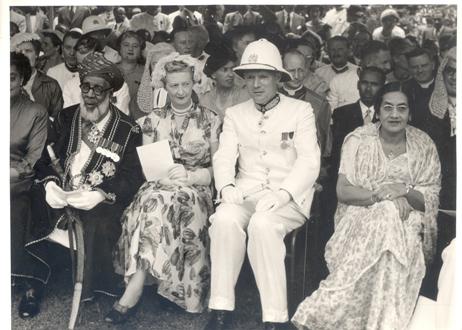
{"x":376,"y":260}
{"x":164,"y":230}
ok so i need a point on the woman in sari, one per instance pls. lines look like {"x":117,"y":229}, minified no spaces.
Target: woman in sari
{"x":164,"y":230}
{"x":385,"y":225}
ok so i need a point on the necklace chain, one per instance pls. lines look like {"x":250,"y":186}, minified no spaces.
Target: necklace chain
{"x":395,"y":151}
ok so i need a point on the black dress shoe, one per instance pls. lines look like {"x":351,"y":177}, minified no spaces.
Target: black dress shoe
{"x":119,"y":313}
{"x":219,"y":320}
{"x":30,"y":304}
{"x":273,"y":326}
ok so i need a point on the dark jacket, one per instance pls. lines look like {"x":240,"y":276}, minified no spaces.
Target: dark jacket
{"x":344,"y":121}
{"x":46,"y":91}
{"x":121,"y":177}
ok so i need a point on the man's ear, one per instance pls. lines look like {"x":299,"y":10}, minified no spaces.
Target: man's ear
{"x":278,"y":76}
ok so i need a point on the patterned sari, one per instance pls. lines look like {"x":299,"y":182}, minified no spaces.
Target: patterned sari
{"x":376,"y":260}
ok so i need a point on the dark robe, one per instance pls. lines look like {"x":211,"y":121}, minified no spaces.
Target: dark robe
{"x":101,"y":224}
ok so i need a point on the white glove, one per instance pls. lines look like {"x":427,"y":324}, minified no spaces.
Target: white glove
{"x":232,"y":195}
{"x":201,"y":176}
{"x":273,"y":200}
{"x":178,"y":173}
{"x":54,"y":195}
{"x":86,"y":200}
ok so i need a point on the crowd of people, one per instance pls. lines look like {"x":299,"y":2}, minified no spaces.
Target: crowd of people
{"x":263,"y":107}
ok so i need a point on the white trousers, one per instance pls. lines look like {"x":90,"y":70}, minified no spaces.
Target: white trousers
{"x":266,"y":250}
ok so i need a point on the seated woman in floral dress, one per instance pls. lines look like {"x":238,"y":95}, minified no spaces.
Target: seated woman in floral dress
{"x":385,"y":225}
{"x":164,"y":230}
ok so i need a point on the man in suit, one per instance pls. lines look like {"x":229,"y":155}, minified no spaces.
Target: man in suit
{"x":349,"y":117}
{"x":96,"y":146}
{"x":273,"y":139}
{"x":121,"y":22}
{"x":73,"y":16}
{"x":283,"y":19}
{"x":296,"y":21}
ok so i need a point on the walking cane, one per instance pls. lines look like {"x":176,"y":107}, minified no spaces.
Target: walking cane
{"x":75,"y":229}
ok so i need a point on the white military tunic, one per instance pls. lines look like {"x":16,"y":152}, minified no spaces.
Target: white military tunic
{"x":277,"y":149}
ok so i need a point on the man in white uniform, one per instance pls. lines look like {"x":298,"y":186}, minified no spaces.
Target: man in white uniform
{"x":273,"y":139}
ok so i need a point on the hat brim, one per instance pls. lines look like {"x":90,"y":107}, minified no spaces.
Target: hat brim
{"x":105,"y":29}
{"x":285,"y":76}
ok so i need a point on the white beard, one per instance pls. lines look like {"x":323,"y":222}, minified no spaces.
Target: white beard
{"x":96,"y":113}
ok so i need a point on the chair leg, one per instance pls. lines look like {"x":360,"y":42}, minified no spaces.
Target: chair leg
{"x":305,"y":260}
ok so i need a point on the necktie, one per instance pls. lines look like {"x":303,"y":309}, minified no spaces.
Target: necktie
{"x":368,"y":116}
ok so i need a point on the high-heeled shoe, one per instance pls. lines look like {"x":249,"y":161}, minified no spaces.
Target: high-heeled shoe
{"x":119,"y":313}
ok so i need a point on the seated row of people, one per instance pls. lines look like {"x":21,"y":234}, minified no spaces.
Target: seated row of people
{"x":274,"y":139}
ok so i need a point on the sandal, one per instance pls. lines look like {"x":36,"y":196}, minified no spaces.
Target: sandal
{"x":119,"y":313}
{"x":29,"y":305}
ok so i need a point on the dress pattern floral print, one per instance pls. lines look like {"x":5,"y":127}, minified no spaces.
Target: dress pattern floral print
{"x":375,"y":259}
{"x":164,"y":230}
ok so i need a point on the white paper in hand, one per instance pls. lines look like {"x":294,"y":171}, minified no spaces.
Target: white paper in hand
{"x":156,"y":159}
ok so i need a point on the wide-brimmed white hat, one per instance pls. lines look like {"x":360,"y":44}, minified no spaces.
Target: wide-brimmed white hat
{"x":389,"y":12}
{"x":95,"y":23}
{"x":262,"y":55}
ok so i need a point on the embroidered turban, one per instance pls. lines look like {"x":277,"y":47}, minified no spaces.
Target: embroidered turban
{"x":96,"y":65}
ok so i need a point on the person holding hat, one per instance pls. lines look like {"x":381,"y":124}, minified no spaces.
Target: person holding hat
{"x":52,"y":42}
{"x":224,"y":92}
{"x":389,"y":29}
{"x":164,"y":230}
{"x":41,"y":88}
{"x":96,"y":147}
{"x":267,"y":193}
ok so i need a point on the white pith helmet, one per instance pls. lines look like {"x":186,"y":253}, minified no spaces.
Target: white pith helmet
{"x":95,"y":23}
{"x":262,"y":55}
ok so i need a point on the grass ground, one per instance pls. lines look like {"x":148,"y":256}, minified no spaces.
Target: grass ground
{"x":154,"y":313}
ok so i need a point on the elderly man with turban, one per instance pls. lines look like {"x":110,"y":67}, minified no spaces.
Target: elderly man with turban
{"x":96,"y":147}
